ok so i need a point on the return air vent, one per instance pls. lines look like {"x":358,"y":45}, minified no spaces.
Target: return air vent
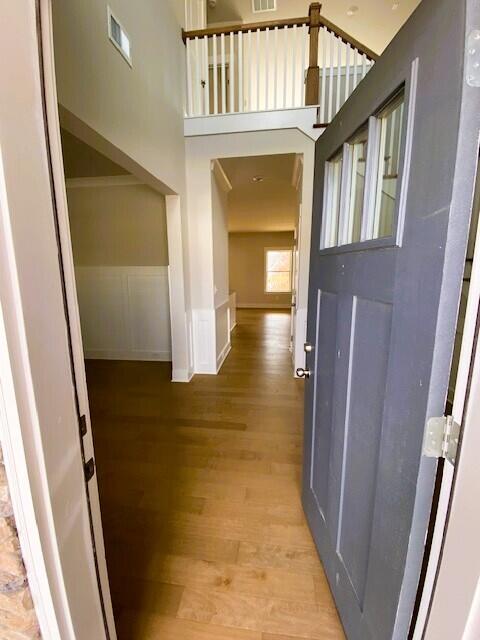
{"x":259,"y":6}
{"x":118,"y":36}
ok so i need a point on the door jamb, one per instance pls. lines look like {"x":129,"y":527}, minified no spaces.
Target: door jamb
{"x":464,"y":396}
{"x":54,"y":145}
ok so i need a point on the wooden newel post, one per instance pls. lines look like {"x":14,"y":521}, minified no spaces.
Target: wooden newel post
{"x":312,"y":91}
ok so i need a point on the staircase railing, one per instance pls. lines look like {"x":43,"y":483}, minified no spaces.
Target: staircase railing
{"x":264,"y":66}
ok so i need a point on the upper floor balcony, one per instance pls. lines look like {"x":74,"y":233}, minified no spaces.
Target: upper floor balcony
{"x":276,"y":66}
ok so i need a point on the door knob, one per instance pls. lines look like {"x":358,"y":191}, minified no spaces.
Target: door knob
{"x":308,"y":348}
{"x":303,"y":373}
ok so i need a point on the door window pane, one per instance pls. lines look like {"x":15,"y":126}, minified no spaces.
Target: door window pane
{"x":391,"y":127}
{"x":331,"y":218}
{"x":278,"y":267}
{"x":358,"y":162}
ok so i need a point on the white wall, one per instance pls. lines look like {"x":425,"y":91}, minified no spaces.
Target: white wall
{"x":119,"y":238}
{"x":133,"y":115}
{"x":201,"y":150}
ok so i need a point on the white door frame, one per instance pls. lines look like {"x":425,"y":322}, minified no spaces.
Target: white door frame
{"x":64,"y":237}
{"x":38,"y":408}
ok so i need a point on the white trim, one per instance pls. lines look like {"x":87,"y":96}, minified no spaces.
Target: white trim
{"x":221,"y":176}
{"x":16,"y":466}
{"x":126,"y":55}
{"x":302,"y":119}
{"x":102,"y":181}
{"x":223,"y":355}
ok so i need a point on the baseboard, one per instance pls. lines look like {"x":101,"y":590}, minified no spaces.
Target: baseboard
{"x":265,"y":305}
{"x":233,"y":327}
{"x":181,"y":375}
{"x":141,"y":356}
{"x":221,"y":358}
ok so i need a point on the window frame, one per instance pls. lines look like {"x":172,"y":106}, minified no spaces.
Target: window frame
{"x":328,"y":199}
{"x":265,"y":270}
{"x":409,"y":89}
{"x":126,"y":56}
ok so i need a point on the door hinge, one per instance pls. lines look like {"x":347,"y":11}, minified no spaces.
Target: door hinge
{"x":89,"y":469}
{"x":83,"y":426}
{"x":441,"y":438}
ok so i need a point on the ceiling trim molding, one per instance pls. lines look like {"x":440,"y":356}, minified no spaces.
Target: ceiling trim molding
{"x":297,"y":171}
{"x":102,"y":181}
{"x":221,"y":176}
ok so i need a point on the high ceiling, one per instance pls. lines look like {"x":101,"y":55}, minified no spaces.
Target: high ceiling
{"x":372,"y":22}
{"x":266,"y":205}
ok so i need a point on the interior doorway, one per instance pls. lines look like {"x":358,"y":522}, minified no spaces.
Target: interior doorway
{"x":256,"y":205}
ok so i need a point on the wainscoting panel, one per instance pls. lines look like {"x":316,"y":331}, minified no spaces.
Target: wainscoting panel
{"x":125,"y":312}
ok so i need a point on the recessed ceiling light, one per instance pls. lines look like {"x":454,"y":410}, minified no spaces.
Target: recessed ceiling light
{"x":257,"y":179}
{"x":352,"y":10}
{"x":395,"y":6}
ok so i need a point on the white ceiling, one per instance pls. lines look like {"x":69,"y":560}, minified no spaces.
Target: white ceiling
{"x":270,"y":205}
{"x":374,"y":24}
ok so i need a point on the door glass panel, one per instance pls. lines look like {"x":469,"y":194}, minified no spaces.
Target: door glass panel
{"x":330,"y":224}
{"x":358,"y":161}
{"x":391,"y":127}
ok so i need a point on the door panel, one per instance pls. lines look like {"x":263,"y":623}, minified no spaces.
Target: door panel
{"x":370,"y":330}
{"x":382,"y":321}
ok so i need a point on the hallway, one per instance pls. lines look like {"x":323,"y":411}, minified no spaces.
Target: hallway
{"x":200,"y":493}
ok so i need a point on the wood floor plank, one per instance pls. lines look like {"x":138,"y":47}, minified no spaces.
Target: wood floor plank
{"x":231,"y":578}
{"x":134,"y":625}
{"x":200,"y":488}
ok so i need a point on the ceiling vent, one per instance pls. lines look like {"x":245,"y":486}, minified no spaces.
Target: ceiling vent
{"x":260,"y":6}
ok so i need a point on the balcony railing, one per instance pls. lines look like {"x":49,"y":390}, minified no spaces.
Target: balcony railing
{"x":265,"y":66}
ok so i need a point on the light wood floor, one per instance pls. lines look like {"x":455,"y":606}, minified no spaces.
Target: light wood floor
{"x":200,"y":493}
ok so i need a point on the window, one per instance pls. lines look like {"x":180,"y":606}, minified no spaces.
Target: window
{"x":357,"y":163}
{"x":119,"y":37}
{"x":391,"y":127}
{"x":278,"y":270}
{"x":361,"y":195}
{"x":333,"y":192}
{"x":260,"y":6}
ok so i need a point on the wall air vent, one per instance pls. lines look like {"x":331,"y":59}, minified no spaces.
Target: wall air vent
{"x":118,"y":37}
{"x":259,"y":6}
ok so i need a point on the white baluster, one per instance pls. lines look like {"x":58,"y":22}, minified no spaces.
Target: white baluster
{"x":323,"y":110}
{"x":339,"y":77}
{"x":364,"y":65}
{"x":224,"y":81}
{"x":294,"y":63}
{"x":347,"y":74}
{"x":215,"y":76}
{"x":303,"y":65}
{"x":240,"y":72}
{"x":232,"y":73}
{"x":198,"y":81}
{"x":189,"y":79}
{"x":330,"y":87}
{"x":267,"y":56}
{"x":257,"y":66}
{"x":275,"y":64}
{"x":249,"y":72}
{"x":285,"y":64}
{"x":207,"y":77}
{"x":357,"y":68}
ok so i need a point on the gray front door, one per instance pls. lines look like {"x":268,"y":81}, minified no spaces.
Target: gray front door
{"x":393,"y":189}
